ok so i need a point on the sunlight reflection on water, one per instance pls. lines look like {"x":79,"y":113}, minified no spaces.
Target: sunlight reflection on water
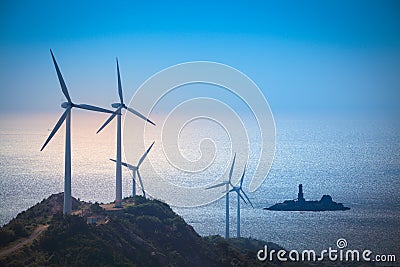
{"x":354,"y":162}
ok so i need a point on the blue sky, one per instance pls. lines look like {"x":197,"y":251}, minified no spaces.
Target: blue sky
{"x":308,"y":57}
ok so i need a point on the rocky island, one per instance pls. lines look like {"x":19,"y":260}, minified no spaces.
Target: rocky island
{"x":324,"y":204}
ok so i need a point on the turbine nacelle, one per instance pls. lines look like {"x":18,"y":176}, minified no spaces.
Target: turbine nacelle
{"x":133,"y":168}
{"x":65,"y":105}
{"x":116,"y":105}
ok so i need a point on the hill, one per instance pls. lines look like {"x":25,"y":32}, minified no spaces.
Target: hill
{"x":143,"y":233}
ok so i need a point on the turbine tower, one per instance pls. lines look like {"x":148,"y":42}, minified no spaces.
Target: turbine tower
{"x":66,"y":116}
{"x":135,"y":169}
{"x":226,"y":183}
{"x":119,"y":106}
{"x":239,"y":189}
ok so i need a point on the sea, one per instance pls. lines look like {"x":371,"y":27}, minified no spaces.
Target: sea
{"x":355,"y":160}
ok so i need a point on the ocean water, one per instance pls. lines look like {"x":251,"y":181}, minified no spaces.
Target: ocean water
{"x":356,"y":161}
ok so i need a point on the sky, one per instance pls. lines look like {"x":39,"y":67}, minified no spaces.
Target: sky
{"x":308,"y":57}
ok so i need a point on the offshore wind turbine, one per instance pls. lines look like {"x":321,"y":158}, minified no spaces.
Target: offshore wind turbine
{"x":239,"y":189}
{"x":119,"y":106}
{"x":135,"y":169}
{"x":66,"y":116}
{"x":226,"y":183}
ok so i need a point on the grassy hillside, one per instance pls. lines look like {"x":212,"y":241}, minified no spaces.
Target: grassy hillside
{"x":144,"y":233}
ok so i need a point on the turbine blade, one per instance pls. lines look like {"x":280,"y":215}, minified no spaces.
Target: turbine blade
{"x":141,"y":183}
{"x":56,"y":127}
{"x":217,"y":185}
{"x":93,"y":108}
{"x":108,"y":121}
{"x":129,"y":166}
{"x":121,"y":98}
{"x":241,"y":179}
{"x":145,"y":154}
{"x":139,"y":115}
{"x":240,"y":195}
{"x":60,"y":78}
{"x":231,"y":171}
{"x":248,"y":199}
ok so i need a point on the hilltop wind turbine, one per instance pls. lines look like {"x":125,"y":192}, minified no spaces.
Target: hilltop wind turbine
{"x":239,"y":189}
{"x":119,"y":106}
{"x":66,"y":116}
{"x":135,"y":169}
{"x":226,"y":183}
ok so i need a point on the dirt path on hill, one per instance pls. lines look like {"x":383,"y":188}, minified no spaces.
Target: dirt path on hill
{"x":19,"y":245}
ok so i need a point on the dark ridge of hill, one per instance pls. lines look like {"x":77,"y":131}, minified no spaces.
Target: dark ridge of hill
{"x":144,"y":233}
{"x":39,"y":214}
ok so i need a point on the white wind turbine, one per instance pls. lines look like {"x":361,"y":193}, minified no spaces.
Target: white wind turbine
{"x":119,"y":106}
{"x":66,"y":116}
{"x":239,"y":189}
{"x":135,"y":169}
{"x":226,"y":183}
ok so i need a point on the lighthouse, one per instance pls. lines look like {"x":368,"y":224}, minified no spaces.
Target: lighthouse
{"x":300,"y":196}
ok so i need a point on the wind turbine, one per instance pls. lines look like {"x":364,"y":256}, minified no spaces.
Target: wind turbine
{"x":119,"y":106}
{"x":226,"y":183}
{"x":239,"y":189}
{"x":66,"y":116}
{"x":135,"y":169}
